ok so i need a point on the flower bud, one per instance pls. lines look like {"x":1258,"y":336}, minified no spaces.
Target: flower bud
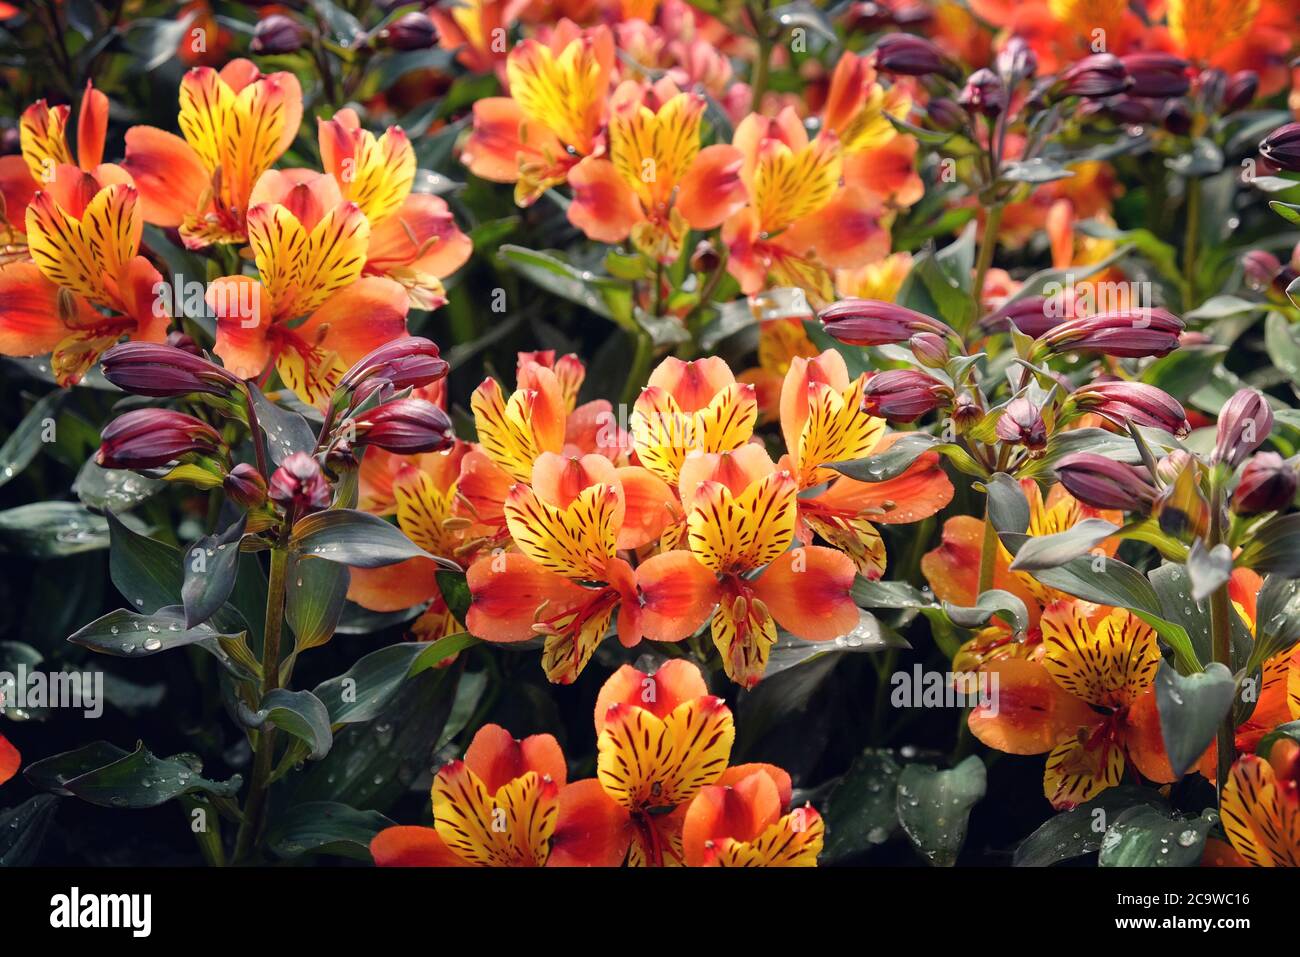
{"x":1021,"y":423}
{"x":1210,"y":86}
{"x":1016,"y":61}
{"x":1104,"y":483}
{"x":1156,"y":75}
{"x":1030,"y":315}
{"x":1136,"y":402}
{"x":1240,"y":91}
{"x":148,"y":438}
{"x":244,"y":484}
{"x":911,"y":55}
{"x":1260,"y":268}
{"x":406,"y":426}
{"x":299,"y":484}
{"x":409,"y":362}
{"x":179,"y":340}
{"x":945,"y":115}
{"x":1244,"y":424}
{"x":1169,"y":467}
{"x":1282,"y":147}
{"x":1125,"y":110}
{"x":153,"y":369}
{"x":1176,"y":117}
{"x":930,"y":350}
{"x":966,"y":411}
{"x":1101,"y":74}
{"x":1267,"y":484}
{"x":1131,"y":335}
{"x":984,"y":93}
{"x":869,"y":322}
{"x":903,"y":395}
{"x":278,"y":34}
{"x":411,"y":31}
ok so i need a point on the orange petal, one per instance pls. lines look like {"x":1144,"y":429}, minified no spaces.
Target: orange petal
{"x":916,"y":494}
{"x":243,"y":315}
{"x":406,"y":846}
{"x":493,"y":148}
{"x":507,"y":591}
{"x":1027,"y":712}
{"x":829,"y":368}
{"x":16,"y":191}
{"x":604,"y":206}
{"x":712,"y":189}
{"x":887,"y":172}
{"x":1145,"y":742}
{"x":677,"y":681}
{"x":168,"y":172}
{"x":559,"y":479}
{"x":482,"y":489}
{"x":677,"y":595}
{"x":498,"y":758}
{"x":307,"y":194}
{"x":807,"y":591}
{"x":394,"y":587}
{"x":719,"y":814}
{"x":10,"y":759}
{"x":692,"y":384}
{"x":952,"y":569}
{"x":92,"y":124}
{"x":848,"y":231}
{"x":30,"y":310}
{"x":646,"y":498}
{"x":592,"y":830}
{"x":738,"y":772}
{"x":423,"y":234}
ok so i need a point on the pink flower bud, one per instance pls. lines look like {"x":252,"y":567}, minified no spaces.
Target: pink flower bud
{"x":148,"y":438}
{"x":1156,"y":75}
{"x":407,"y":427}
{"x":930,"y":350}
{"x":1104,"y":483}
{"x":299,"y":485}
{"x":1244,"y":424}
{"x":411,"y":31}
{"x":903,"y":395}
{"x":153,"y":369}
{"x":1268,"y":484}
{"x":1022,"y":423}
{"x":278,"y":34}
{"x":1282,"y":147}
{"x":409,"y":362}
{"x":1135,"y":402}
{"x":1031,"y":315}
{"x":911,"y":55}
{"x":1098,"y":75}
{"x":1134,"y":334}
{"x":870,"y":322}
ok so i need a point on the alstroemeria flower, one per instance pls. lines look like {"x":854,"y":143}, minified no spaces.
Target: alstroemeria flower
{"x":476,"y":31}
{"x":84,"y":242}
{"x":507,"y":804}
{"x":10,"y":759}
{"x":421,"y":491}
{"x":800,"y":223}
{"x":744,"y":821}
{"x":823,"y":421}
{"x":413,"y":237}
{"x":690,"y":407}
{"x":1089,"y":701}
{"x":554,"y":115}
{"x":308,"y":268}
{"x":236,"y":123}
{"x":660,"y":740}
{"x":43,"y":138}
{"x":656,"y":183}
{"x":1260,"y":806}
{"x":567,"y":583}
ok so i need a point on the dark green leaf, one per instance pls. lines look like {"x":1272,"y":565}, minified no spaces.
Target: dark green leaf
{"x":934,"y":807}
{"x":44,"y":530}
{"x":351,"y":537}
{"x":1080,"y":830}
{"x":103,"y":774}
{"x":862,"y":811}
{"x":23,"y":828}
{"x":299,"y":713}
{"x":211,"y":565}
{"x":325,"y":827}
{"x":315,"y":594}
{"x":1191,"y":709}
{"x":1148,"y":837}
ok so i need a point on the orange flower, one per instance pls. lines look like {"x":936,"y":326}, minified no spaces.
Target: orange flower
{"x":84,"y":240}
{"x":745,"y":821}
{"x":1260,"y":806}
{"x":476,"y":31}
{"x":1089,"y":700}
{"x":236,"y":123}
{"x":657,"y":183}
{"x":554,"y":115}
{"x":10,"y":760}
{"x":507,"y":804}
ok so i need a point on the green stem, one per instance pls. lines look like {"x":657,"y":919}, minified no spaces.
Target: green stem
{"x":988,"y":244}
{"x":758,"y":82}
{"x":1221,"y":642}
{"x":264,"y":751}
{"x":640,"y":370}
{"x":988,"y":553}
{"x":1191,"y":239}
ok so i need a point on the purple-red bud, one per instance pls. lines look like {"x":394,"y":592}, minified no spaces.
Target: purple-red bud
{"x":1268,"y":484}
{"x":911,"y":55}
{"x":1244,"y":424}
{"x":148,"y":438}
{"x":1021,"y":423}
{"x":984,"y":93}
{"x":1031,"y":315}
{"x":903,"y":395}
{"x":870,"y":322}
{"x":409,"y":362}
{"x":1282,"y":147}
{"x":244,"y":484}
{"x":1131,"y":334}
{"x":299,"y":484}
{"x":406,"y":427}
{"x":1098,"y":75}
{"x":1135,"y":402}
{"x":930,"y":350}
{"x":278,"y":34}
{"x":1156,"y":75}
{"x":1104,"y":483}
{"x":411,"y":31}
{"x":153,"y":369}
{"x":1241,"y":90}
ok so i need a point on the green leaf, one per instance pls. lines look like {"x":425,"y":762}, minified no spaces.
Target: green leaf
{"x":43,"y":530}
{"x":887,"y":594}
{"x":25,"y":440}
{"x":286,"y":431}
{"x":1274,"y":549}
{"x":455,"y":592}
{"x":351,"y":537}
{"x":113,"y":490}
{"x":1287,"y":211}
{"x":23,"y":829}
{"x":315,"y":593}
{"x":1049,"y":551}
{"x":211,"y":565}
{"x":862,"y":811}
{"x":870,"y":635}
{"x":934,"y":807}
{"x":1283,"y":349}
{"x":891,"y":463}
{"x":1208,"y":568}
{"x":1007,"y":505}
{"x":128,"y":634}
{"x":325,"y":827}
{"x":146,"y":572}
{"x":994,"y":602}
{"x":1221,"y":307}
{"x":1080,"y":830}
{"x":1148,"y":837}
{"x":1191,"y":708}
{"x":1036,"y":171}
{"x":365,"y":689}
{"x":299,"y":713}
{"x":101,"y":773}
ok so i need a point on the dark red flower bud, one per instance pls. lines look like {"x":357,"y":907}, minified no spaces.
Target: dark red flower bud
{"x":11,"y":141}
{"x":179,"y":340}
{"x":1100,"y":74}
{"x":1244,"y":424}
{"x":943,"y":114}
{"x":153,"y":369}
{"x":911,"y":55}
{"x":299,"y":484}
{"x":1176,"y":117}
{"x":409,"y":362}
{"x":869,"y":322}
{"x":1155,"y":75}
{"x":1032,"y":315}
{"x":148,"y":438}
{"x":244,"y":484}
{"x":903,"y":395}
{"x":930,"y":350}
{"x":1240,"y":91}
{"x":1260,"y":268}
{"x":1282,"y":147}
{"x":278,"y":34}
{"x":868,"y":17}
{"x":1268,"y":484}
{"x":1132,"y":335}
{"x":1021,"y":423}
{"x":1125,"y":110}
{"x":411,"y":31}
{"x":1134,"y":402}
{"x":984,"y":93}
{"x":407,"y":427}
{"x":1104,"y":483}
